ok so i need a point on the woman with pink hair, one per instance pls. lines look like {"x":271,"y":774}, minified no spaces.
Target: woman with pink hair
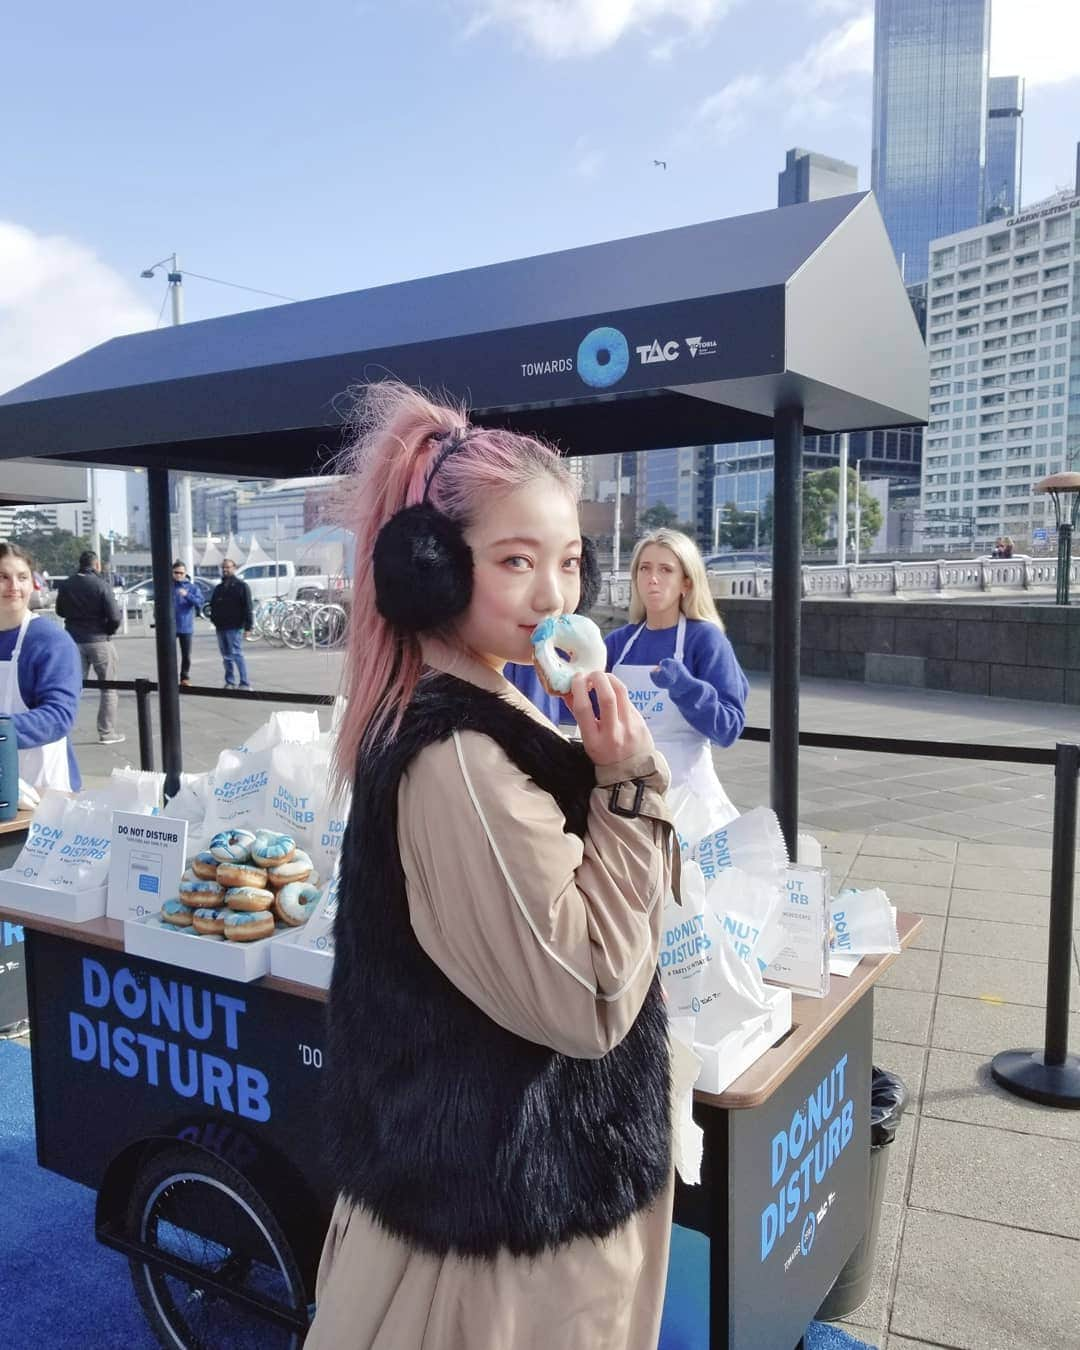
{"x":498,"y":1068}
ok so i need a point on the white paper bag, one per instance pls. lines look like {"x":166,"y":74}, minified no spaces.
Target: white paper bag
{"x":863,"y":923}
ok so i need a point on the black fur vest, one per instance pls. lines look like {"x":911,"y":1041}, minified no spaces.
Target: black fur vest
{"x":455,"y":1134}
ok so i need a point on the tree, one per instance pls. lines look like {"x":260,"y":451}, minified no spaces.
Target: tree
{"x":737,"y":528}
{"x":53,"y":551}
{"x":659,"y":517}
{"x":821,"y":499}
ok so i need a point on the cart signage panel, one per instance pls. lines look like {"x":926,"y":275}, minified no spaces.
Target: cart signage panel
{"x":169,"y":1052}
{"x":799,"y":1177}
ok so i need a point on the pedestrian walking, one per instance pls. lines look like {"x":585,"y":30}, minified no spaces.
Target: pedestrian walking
{"x":185,"y":607}
{"x":91,"y":615}
{"x":232,"y":617}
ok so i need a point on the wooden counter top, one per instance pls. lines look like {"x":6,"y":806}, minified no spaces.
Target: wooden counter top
{"x":811,"y":1018}
{"x":21,"y":822}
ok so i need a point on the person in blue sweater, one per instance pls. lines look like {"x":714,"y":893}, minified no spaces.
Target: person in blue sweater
{"x":678,"y":665}
{"x":185,"y":596}
{"x":40,"y":679}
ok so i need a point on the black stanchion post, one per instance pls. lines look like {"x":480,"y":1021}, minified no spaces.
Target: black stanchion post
{"x":165,"y":628}
{"x":786,"y":628}
{"x":146,"y":730}
{"x":1052,"y":1076}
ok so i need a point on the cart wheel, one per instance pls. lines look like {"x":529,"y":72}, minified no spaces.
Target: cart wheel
{"x":197,"y":1209}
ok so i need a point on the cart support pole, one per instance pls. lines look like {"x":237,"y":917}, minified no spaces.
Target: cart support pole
{"x":1052,"y":1076}
{"x":786,"y":634}
{"x":165,"y":628}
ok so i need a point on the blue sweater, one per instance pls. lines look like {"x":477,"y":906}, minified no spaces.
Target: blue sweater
{"x":50,"y":682}
{"x":185,"y":602}
{"x":708,"y":686}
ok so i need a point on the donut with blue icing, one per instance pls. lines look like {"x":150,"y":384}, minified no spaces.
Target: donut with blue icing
{"x":251,"y":899}
{"x":240,"y":874}
{"x":565,"y":646}
{"x":298,"y":868}
{"x":248,"y":927}
{"x":295,"y":903}
{"x":204,"y":865}
{"x":209,"y":922}
{"x":271,"y":850}
{"x":201,"y":894}
{"x":176,"y":914}
{"x":232,"y":846}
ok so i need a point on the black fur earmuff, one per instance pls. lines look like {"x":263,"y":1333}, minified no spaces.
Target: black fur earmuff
{"x":424,"y":568}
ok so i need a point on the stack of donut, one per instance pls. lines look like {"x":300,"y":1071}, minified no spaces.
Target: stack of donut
{"x":242,"y":885}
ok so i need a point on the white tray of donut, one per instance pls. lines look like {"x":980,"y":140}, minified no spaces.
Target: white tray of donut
{"x":236,"y":899}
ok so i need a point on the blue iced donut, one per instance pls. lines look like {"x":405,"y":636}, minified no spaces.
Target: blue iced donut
{"x":270,"y":849}
{"x":295,"y":903}
{"x":176,"y":914}
{"x":603,"y":357}
{"x":201,"y":894}
{"x":232,"y":846}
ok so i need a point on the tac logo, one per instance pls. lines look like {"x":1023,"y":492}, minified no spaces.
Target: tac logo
{"x":809,"y":1229}
{"x":603,"y":357}
{"x":655,"y":351}
{"x":699,"y":346}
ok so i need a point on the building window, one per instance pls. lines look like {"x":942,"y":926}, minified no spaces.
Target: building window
{"x":946,"y":257}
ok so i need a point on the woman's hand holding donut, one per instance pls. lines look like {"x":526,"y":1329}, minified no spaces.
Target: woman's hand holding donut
{"x":616,"y":730}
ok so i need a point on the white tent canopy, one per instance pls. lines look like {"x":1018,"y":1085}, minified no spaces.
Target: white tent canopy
{"x":211,"y":555}
{"x":256,"y":553}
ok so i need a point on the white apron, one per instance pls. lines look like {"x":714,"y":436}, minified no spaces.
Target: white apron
{"x":687,"y":751}
{"x":42,"y":766}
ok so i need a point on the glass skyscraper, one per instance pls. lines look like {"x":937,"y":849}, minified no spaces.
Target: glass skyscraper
{"x":1004,"y":146}
{"x":928,"y":159}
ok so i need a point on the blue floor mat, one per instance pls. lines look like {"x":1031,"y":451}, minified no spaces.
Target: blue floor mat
{"x":60,"y":1289}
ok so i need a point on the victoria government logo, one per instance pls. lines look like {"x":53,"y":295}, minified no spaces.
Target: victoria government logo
{"x":603,"y":357}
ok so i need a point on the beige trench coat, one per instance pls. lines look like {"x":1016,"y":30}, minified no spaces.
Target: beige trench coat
{"x":556,"y":939}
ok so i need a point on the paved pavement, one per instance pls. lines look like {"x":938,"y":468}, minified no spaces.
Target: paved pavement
{"x":980,"y":1235}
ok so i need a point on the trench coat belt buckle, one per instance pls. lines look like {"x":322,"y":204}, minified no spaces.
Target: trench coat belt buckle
{"x":632,"y":811}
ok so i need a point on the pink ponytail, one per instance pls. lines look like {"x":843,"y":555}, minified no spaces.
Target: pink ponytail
{"x":387,"y":466}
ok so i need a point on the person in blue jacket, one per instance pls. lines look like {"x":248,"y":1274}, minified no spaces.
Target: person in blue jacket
{"x":678,"y":665}
{"x":40,"y":679}
{"x":185,"y":607}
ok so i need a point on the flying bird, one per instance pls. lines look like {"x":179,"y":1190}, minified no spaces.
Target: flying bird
{"x":660,"y":163}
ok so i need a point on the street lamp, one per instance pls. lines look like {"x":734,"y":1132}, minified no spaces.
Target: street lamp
{"x":1064,"y":492}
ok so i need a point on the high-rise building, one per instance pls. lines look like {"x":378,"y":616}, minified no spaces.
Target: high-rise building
{"x":807,"y":177}
{"x":928,"y":158}
{"x":1004,"y":145}
{"x":1004,"y":374}
{"x":138,"y":507}
{"x":681,"y":480}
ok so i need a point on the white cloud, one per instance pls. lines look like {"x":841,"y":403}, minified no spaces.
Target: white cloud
{"x":725,"y":111}
{"x":56,"y":300}
{"x":809,"y":87}
{"x":1039,"y":39}
{"x":567,"y":28}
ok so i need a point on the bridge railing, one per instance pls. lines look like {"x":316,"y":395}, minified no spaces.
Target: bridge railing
{"x":956,"y":576}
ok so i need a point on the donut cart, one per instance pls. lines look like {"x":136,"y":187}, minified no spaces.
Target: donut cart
{"x":190,"y":1101}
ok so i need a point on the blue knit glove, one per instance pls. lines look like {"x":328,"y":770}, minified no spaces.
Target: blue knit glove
{"x":670,"y":674}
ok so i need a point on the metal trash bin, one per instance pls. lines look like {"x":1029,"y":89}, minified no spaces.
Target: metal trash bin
{"x":888,"y":1098}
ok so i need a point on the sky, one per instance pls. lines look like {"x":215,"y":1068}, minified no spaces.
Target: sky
{"x":308,"y":149}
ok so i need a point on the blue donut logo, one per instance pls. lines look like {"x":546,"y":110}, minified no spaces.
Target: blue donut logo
{"x":603,"y":357}
{"x":806,"y":1241}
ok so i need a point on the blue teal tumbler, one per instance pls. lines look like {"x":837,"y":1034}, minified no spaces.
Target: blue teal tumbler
{"x":9,"y":770}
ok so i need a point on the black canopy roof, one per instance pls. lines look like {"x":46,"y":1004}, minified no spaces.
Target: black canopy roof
{"x":682,"y":337}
